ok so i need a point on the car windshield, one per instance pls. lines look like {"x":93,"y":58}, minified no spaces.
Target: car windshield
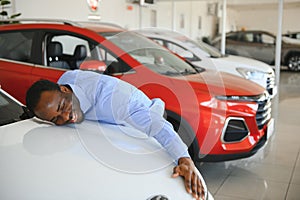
{"x":10,"y":111}
{"x":208,"y":50}
{"x":150,"y":54}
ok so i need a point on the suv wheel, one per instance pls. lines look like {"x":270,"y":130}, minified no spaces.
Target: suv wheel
{"x":293,"y":62}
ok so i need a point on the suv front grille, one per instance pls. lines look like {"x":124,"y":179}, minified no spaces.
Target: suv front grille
{"x":235,"y":128}
{"x":263,"y":113}
{"x":270,"y":83}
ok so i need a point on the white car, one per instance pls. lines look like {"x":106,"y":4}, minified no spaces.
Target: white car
{"x":203,"y":55}
{"x":87,"y":161}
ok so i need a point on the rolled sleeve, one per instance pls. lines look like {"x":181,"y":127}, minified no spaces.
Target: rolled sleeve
{"x":148,"y":118}
{"x":171,"y":141}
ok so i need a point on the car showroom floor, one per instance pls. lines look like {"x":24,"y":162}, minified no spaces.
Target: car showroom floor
{"x":274,"y":172}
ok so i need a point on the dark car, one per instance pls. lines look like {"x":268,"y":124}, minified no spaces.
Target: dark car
{"x":261,"y":45}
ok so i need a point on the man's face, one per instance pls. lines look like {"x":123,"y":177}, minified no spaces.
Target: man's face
{"x":59,"y":107}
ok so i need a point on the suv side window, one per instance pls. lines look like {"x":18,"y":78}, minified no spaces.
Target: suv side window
{"x":16,"y":45}
{"x":113,"y":64}
{"x":68,"y":51}
{"x":70,"y":42}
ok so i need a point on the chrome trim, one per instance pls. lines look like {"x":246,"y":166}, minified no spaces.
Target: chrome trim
{"x":160,"y":196}
{"x":264,"y":111}
{"x":30,"y":64}
{"x":50,"y":67}
{"x":17,"y":62}
{"x":225,"y":127}
{"x":270,"y":80}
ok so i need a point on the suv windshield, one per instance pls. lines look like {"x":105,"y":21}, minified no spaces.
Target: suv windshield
{"x":150,"y":54}
{"x":213,"y":52}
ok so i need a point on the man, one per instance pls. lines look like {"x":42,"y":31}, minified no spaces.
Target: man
{"x":88,"y":95}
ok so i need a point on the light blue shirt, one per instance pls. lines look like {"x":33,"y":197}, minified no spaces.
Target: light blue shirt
{"x":110,"y":100}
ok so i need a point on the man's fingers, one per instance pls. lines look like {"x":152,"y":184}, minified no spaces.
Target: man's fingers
{"x":192,"y":181}
{"x":176,"y":172}
{"x":195,"y":185}
{"x":179,"y":171}
{"x":200,"y":189}
{"x":197,"y":188}
{"x":188,"y":181}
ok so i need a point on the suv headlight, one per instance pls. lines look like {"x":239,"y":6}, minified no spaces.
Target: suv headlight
{"x":233,"y":98}
{"x":251,"y":74}
{"x":261,"y":97}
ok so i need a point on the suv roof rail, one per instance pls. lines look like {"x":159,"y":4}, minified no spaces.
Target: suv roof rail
{"x":62,"y":21}
{"x":100,"y":23}
{"x":59,"y":21}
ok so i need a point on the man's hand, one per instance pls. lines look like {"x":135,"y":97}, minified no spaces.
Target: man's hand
{"x":192,"y":181}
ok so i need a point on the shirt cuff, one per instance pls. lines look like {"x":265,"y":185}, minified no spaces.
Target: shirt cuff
{"x":177,"y":149}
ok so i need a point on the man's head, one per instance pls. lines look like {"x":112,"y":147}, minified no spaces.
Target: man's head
{"x":55,"y":103}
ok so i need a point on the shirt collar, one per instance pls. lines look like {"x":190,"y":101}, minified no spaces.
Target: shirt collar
{"x":85,"y":104}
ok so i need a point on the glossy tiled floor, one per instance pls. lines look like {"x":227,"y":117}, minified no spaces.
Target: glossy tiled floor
{"x":274,"y":172}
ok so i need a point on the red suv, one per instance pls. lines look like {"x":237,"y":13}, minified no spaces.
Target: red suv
{"x":218,"y":115}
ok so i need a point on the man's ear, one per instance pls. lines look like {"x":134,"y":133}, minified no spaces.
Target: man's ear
{"x":64,"y":89}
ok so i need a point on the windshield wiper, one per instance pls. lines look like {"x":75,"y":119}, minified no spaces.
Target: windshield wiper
{"x":188,"y":71}
{"x":171,"y":73}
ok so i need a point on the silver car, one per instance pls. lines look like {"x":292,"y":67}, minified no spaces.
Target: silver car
{"x":260,"y":45}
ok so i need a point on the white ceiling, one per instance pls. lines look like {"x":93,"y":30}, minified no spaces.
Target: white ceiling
{"x":244,"y":2}
{"x":248,"y":4}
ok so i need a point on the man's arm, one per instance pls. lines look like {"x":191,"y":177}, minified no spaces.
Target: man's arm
{"x":185,"y":165}
{"x":151,"y":121}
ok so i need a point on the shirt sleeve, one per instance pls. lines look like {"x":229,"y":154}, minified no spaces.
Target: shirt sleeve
{"x":149,"y":119}
{"x":171,"y":141}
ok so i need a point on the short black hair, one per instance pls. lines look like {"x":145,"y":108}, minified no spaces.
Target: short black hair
{"x":33,"y":94}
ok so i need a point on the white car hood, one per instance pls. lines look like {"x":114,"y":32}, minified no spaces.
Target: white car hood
{"x":86,"y":161}
{"x":247,"y":62}
{"x":230,"y":63}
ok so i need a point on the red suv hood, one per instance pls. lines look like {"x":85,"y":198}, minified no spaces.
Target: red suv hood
{"x":222,"y":83}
